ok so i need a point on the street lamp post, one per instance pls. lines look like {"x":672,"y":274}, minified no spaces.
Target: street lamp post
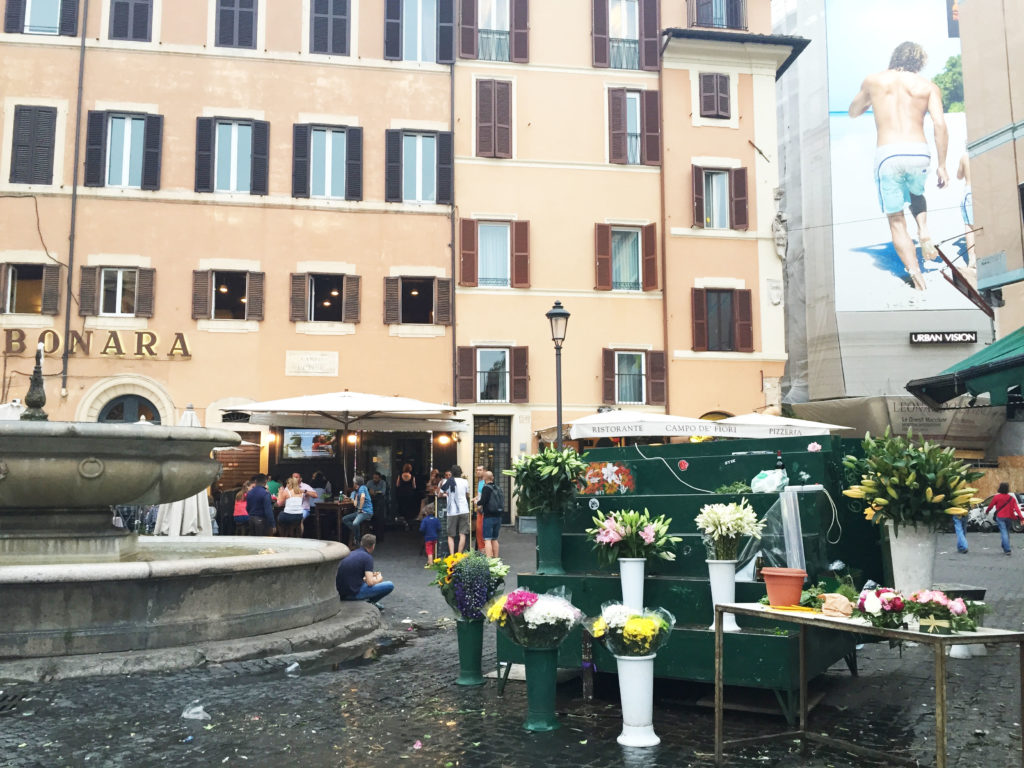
{"x":558,"y":316}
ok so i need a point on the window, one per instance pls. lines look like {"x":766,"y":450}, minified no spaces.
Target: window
{"x":722,"y":320}
{"x":633,"y":377}
{"x":495,"y":254}
{"x":329,"y":24}
{"x":493,"y":118}
{"x":629,"y":377}
{"x":419,"y":30}
{"x":719,"y":14}
{"x":131,"y":20}
{"x":236,"y":23}
{"x":42,"y":17}
{"x":128,"y":409}
{"x":720,"y":198}
{"x":318,"y":298}
{"x":625,"y":260}
{"x":494,"y":30}
{"x":118,"y":292}
{"x":634,"y":127}
{"x":234,"y":157}
{"x":327,"y":163}
{"x":326,"y":295}
{"x":714,"y":96}
{"x":492,"y":375}
{"x":124,"y":151}
{"x":33,"y":145}
{"x":30,"y":289}
{"x":419,"y":168}
{"x":227,"y":295}
{"x":417,"y":300}
{"x":626,"y":34}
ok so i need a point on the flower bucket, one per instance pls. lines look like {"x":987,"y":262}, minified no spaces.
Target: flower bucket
{"x":631,"y":576}
{"x":541,"y":678}
{"x":722,"y":574}
{"x":549,"y":545}
{"x":636,"y":692}
{"x":913,"y":557}
{"x":784,"y":585}
{"x":470,"y":634}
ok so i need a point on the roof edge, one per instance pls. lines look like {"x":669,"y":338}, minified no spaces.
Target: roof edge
{"x":794,"y":43}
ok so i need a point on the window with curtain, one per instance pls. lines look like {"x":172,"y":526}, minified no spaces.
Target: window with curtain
{"x":633,"y":127}
{"x":124,"y":151}
{"x":419,"y":30}
{"x":419,"y":167}
{"x":629,"y":377}
{"x":626,"y":260}
{"x":234,"y":157}
{"x":494,"y":30}
{"x":624,"y":27}
{"x":720,"y":321}
{"x":327,"y":162}
{"x":494,"y":254}
{"x":716,"y":199}
{"x":492,"y":375}
{"x":118,"y":297}
{"x":42,"y":17}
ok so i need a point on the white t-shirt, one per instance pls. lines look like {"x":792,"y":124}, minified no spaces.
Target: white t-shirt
{"x":458,"y":500}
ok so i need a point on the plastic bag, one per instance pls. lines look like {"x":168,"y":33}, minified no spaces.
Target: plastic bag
{"x":771,"y":547}
{"x":769,"y":481}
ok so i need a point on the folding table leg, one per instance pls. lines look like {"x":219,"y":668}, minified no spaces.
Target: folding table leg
{"x":719,"y":694}
{"x":940,"y":705}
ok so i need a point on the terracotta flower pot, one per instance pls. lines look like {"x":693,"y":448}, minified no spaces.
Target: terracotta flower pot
{"x":784,"y":585}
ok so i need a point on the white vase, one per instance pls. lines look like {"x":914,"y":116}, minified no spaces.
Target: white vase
{"x":913,"y":557}
{"x":631,"y":575}
{"x":636,"y":691}
{"x":722,"y":574}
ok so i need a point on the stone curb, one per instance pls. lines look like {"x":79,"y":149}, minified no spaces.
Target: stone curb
{"x":355,"y":625}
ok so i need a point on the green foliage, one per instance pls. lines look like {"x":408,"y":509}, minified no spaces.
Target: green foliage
{"x":546,"y":482}
{"x":951,"y":84}
{"x":736,"y":487}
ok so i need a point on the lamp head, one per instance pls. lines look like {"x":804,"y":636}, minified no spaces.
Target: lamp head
{"x":558,"y":316}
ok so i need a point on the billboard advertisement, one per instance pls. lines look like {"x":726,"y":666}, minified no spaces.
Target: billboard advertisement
{"x":900,"y":176}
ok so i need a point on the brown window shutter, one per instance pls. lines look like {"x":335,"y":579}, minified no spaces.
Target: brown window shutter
{"x":298,"y":297}
{"x":88,"y":291}
{"x":738,"y":216}
{"x":502,"y":118}
{"x":650,"y":35}
{"x":743,"y":320}
{"x":5,"y":270}
{"x":519,"y":45}
{"x":698,"y":195}
{"x":202,"y":296}
{"x":708,"y":95}
{"x":254,"y":296}
{"x":392,"y":300}
{"x":603,"y":257}
{"x":600,"y":34}
{"x":617,"y":152}
{"x":520,"y":357}
{"x":485,"y":118}
{"x":468,"y":252}
{"x":465,"y":374}
{"x":649,"y":251}
{"x":699,"y":314}
{"x":468,"y":30}
{"x":393,"y":30}
{"x":520,"y":254}
{"x":351,"y":308}
{"x":145,"y":292}
{"x":724,"y":107}
{"x":393,"y":166}
{"x":51,"y":290}
{"x":442,"y":301}
{"x":608,"y":376}
{"x":656,"y":378}
{"x":650,"y":114}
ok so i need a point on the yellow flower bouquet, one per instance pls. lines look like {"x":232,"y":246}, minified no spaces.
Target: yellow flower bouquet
{"x":627,"y":632}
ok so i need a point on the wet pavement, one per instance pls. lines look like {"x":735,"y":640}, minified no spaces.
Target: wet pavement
{"x":399,"y":705}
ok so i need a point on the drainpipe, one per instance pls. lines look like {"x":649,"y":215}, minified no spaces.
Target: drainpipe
{"x":74,"y":201}
{"x":451,"y":218}
{"x":664,"y":222}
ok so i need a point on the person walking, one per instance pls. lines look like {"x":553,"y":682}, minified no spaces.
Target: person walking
{"x":456,"y":490}
{"x":961,"y":540}
{"x":1007,"y":509}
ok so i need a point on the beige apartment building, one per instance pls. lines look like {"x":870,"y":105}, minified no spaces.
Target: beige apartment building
{"x":218,"y":202}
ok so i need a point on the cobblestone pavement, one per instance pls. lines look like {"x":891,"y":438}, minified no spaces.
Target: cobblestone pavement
{"x":400,"y":707}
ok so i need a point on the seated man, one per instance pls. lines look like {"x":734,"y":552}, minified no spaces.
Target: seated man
{"x":356,"y":578}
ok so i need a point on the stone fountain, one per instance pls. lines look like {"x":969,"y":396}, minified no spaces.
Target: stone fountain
{"x":73,"y":583}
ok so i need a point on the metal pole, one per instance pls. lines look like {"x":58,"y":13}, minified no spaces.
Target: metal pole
{"x":719,"y":684}
{"x":558,"y":395}
{"x":1020,"y":670}
{"x":940,"y":705}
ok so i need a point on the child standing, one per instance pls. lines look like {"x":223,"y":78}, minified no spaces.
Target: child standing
{"x":431,"y":529}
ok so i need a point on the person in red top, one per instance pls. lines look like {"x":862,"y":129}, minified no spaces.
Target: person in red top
{"x":1007,"y":509}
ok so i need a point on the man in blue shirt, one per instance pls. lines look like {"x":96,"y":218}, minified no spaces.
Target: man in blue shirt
{"x":356,"y":579}
{"x":364,"y":508}
{"x":260,"y":508}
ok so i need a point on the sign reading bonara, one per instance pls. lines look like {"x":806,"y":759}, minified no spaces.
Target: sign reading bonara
{"x":146,"y":344}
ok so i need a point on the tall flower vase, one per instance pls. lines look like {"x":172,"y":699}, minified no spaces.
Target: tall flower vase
{"x":631,"y":574}
{"x":549,"y":545}
{"x":913,"y":557}
{"x":470,"y":634}
{"x":723,"y":589}
{"x":541,"y":679}
{"x":636,"y":691}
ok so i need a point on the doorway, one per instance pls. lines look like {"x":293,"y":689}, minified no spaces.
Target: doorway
{"x":492,"y":448}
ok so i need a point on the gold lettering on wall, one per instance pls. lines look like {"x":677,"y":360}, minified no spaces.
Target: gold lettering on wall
{"x":113,"y":345}
{"x":180,"y":346}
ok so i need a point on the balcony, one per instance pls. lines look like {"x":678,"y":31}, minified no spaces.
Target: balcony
{"x":493,"y":45}
{"x":625,"y":54}
{"x":717,"y":14}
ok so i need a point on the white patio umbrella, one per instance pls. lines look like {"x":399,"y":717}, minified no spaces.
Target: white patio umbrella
{"x":185,"y":517}
{"x":781,"y":426}
{"x":11,"y":411}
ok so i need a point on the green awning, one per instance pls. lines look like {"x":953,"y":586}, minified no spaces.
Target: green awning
{"x":996,"y":369}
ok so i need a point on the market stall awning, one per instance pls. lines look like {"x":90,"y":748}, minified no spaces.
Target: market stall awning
{"x":783,"y":426}
{"x":995,"y":370}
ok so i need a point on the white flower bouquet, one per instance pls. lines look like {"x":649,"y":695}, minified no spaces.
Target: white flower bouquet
{"x":724,"y":524}
{"x":532,"y":620}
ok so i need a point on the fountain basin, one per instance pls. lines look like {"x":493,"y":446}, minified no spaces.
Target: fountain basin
{"x":169,"y":592}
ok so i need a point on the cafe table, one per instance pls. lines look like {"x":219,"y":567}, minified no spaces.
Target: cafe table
{"x":938,"y":642}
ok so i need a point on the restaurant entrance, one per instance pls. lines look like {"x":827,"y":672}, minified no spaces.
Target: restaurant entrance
{"x":492,"y":449}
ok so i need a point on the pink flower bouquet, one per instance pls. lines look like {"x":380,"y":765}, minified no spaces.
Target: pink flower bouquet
{"x":629,"y":533}
{"x":882,"y":607}
{"x":937,"y":613}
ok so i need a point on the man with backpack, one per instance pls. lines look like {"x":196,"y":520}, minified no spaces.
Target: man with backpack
{"x":492,"y":505}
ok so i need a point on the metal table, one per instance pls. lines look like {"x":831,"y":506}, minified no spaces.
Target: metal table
{"x":938,"y":642}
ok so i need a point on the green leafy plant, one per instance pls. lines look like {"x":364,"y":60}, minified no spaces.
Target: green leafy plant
{"x":737,"y":487}
{"x":910,"y":483}
{"x":546,"y":482}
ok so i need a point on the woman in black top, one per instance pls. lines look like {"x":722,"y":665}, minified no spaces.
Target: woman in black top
{"x":407,"y":494}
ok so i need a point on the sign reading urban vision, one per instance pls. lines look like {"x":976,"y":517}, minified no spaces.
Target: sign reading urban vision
{"x":944,"y":337}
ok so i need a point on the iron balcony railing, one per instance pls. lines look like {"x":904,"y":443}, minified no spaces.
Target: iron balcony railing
{"x":493,"y":282}
{"x":492,"y":386}
{"x":717,"y":14}
{"x":625,"y":54}
{"x":493,"y":44}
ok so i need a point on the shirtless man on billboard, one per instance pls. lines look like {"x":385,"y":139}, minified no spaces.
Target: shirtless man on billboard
{"x":900,"y":98}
